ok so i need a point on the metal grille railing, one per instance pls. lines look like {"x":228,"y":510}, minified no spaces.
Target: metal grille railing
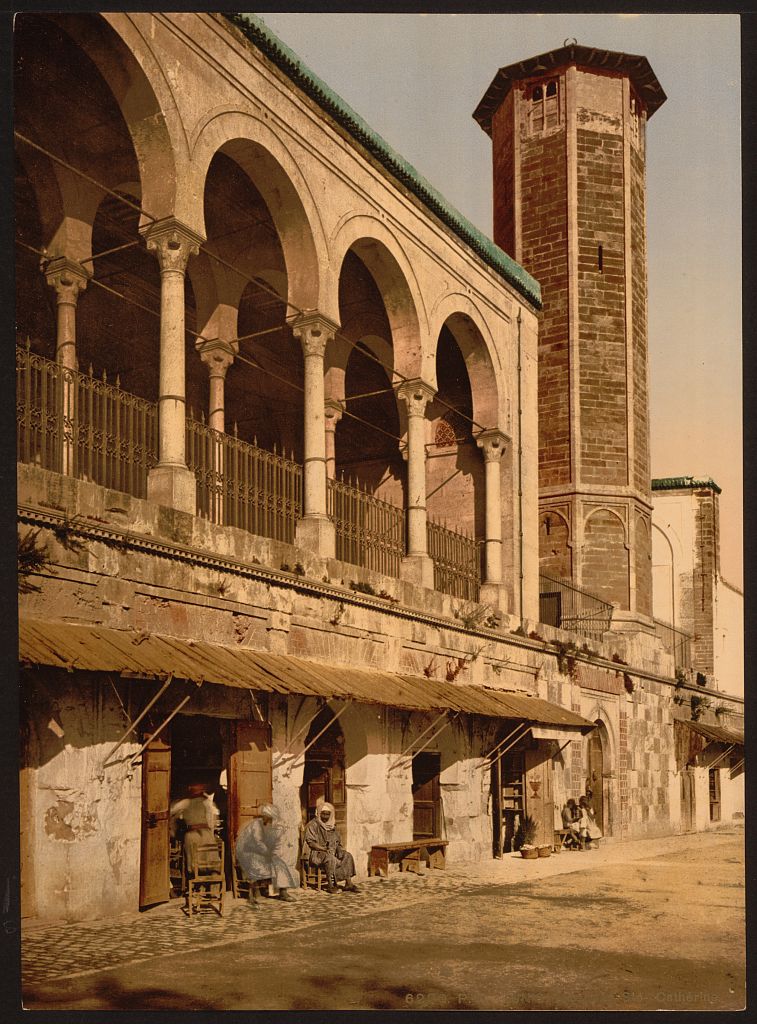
{"x":369,"y":532}
{"x":457,"y":561}
{"x":566,"y":607}
{"x":676,"y":642}
{"x":239,"y":484}
{"x":75,"y":423}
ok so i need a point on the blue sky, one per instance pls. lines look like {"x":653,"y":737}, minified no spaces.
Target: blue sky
{"x":416,"y":79}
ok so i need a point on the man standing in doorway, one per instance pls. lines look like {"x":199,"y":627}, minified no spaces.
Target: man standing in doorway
{"x":200,"y":816}
{"x":323,"y":848}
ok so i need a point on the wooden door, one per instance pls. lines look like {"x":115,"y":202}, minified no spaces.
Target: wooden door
{"x":250,"y":777}
{"x":538,"y":799}
{"x":714,"y":794}
{"x":595,"y":777}
{"x":688,"y":797}
{"x":324,"y":772}
{"x":426,"y":802}
{"x":154,"y":883}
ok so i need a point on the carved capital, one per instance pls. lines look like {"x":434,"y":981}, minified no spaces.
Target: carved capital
{"x":416,"y":394}
{"x":68,"y":278}
{"x":493,"y":443}
{"x":217,"y":355}
{"x":333,"y":409}
{"x":173,"y":243}
{"x":314,"y":331}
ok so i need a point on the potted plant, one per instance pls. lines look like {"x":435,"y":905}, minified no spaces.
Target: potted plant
{"x":525,"y":838}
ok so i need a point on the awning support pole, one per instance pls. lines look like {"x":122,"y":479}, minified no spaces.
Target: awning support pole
{"x":736,"y":767}
{"x":431,"y":739}
{"x":317,"y":737}
{"x":722,"y":756}
{"x":407,"y":749}
{"x":486,"y":757}
{"x":160,"y":728}
{"x":287,"y":752}
{"x":509,"y":746}
{"x":138,"y":719}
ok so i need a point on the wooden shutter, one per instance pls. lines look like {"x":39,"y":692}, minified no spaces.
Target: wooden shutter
{"x":249,"y":774}
{"x":154,"y":885}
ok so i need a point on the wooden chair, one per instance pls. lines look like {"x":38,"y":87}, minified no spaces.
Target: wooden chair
{"x":310,"y":874}
{"x":206,"y":886}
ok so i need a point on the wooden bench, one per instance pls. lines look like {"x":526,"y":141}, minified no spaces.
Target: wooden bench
{"x":410,"y":854}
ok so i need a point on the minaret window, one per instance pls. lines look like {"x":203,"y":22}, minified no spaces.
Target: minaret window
{"x":633,"y":120}
{"x":545,"y":111}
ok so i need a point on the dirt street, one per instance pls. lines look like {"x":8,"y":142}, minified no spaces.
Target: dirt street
{"x":657,"y":932}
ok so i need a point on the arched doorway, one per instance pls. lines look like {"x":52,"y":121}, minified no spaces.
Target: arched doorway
{"x":595,"y":770}
{"x":323,"y":776}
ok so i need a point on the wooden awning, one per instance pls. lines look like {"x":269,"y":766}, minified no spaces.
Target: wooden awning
{"x":700,"y":743}
{"x":90,"y":648}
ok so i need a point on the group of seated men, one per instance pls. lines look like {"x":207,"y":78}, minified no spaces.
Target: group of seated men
{"x":260,"y":844}
{"x":578,"y":819}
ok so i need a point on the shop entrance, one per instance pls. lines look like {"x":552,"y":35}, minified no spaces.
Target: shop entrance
{"x":199,"y":748}
{"x":507,"y":800}
{"x":323,"y":776}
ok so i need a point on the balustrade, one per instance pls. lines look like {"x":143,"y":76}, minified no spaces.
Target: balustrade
{"x":113,"y":436}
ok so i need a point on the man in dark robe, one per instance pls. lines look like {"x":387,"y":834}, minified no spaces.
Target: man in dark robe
{"x":323,"y":847}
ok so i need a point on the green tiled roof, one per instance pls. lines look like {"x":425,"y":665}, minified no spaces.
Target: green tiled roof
{"x":261,"y":36}
{"x":675,"y":483}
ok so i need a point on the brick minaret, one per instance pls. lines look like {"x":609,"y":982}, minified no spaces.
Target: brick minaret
{"x":568,"y":140}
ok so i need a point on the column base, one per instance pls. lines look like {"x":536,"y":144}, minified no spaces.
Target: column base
{"x":496,"y":596}
{"x":316,"y":534}
{"x":173,"y":486}
{"x":418,"y":569}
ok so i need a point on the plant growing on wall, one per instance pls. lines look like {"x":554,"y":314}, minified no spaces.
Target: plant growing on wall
{"x":33,"y":557}
{"x":698,"y":706}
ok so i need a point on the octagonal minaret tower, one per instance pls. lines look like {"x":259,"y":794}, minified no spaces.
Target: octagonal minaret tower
{"x":568,"y":133}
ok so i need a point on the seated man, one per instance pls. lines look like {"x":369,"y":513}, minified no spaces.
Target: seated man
{"x":323,"y":847}
{"x":588,"y":824}
{"x":571,"y":820}
{"x":260,"y":850}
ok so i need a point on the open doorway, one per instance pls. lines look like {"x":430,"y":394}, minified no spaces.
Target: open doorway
{"x":199,"y":753}
{"x":507,"y":780}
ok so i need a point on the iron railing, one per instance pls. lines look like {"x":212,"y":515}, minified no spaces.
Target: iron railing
{"x":566,"y":607}
{"x":239,"y":484}
{"x":676,"y":642}
{"x":75,"y":423}
{"x":457,"y":561}
{"x":369,"y":532}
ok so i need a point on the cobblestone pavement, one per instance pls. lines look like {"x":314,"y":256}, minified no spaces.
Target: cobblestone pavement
{"x":51,"y":951}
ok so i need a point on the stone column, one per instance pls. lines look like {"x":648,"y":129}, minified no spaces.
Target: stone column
{"x":493,"y":444}
{"x":69,"y":279}
{"x":417,"y":566}
{"x":171,"y":483}
{"x":315,"y":530}
{"x":333,"y":410}
{"x":218,"y":356}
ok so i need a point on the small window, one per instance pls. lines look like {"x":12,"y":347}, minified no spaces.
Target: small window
{"x":633,"y":120}
{"x":545,"y":111}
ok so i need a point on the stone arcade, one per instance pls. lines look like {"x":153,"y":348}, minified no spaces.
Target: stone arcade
{"x":320,"y":493}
